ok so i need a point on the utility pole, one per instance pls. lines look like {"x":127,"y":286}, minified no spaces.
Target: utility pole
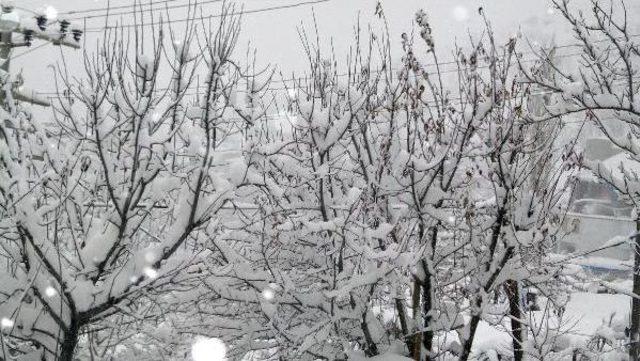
{"x":12,"y":24}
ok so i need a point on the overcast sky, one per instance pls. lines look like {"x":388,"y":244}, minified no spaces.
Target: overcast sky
{"x":275,"y":37}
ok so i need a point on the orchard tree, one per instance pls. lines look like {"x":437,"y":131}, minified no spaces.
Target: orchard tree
{"x":386,"y":211}
{"x":493,"y":194}
{"x":108,"y":212}
{"x":602,"y":86}
{"x":515,"y":205}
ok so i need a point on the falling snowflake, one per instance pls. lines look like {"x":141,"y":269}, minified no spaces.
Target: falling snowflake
{"x":460,"y":13}
{"x":208,"y":349}
{"x":268,"y":294}
{"x":50,"y":292}
{"x":6,"y":322}
{"x":150,"y":272}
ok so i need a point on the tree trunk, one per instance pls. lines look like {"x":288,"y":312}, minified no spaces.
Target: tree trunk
{"x":468,"y":342}
{"x":516,"y":315}
{"x":427,"y":305}
{"x":371,"y":348}
{"x":634,"y":331}
{"x":428,"y":295}
{"x":417,"y":338}
{"x":402,"y":315}
{"x":70,"y":341}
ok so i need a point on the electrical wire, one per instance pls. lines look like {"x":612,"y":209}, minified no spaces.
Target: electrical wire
{"x":26,"y":9}
{"x":160,"y":8}
{"x":117,"y":7}
{"x":101,"y":29}
{"x":450,"y":71}
{"x":284,"y":81}
{"x":451,"y":62}
{"x":242,"y":12}
{"x":273,"y":8}
{"x":30,"y":50}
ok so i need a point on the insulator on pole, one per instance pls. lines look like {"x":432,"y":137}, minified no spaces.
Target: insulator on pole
{"x":28,"y":37}
{"x":77,"y":34}
{"x":7,"y":6}
{"x":41,"y":21}
{"x":64,"y":26}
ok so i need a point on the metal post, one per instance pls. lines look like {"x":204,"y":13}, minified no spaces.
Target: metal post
{"x":10,"y":22}
{"x":5,"y":54}
{"x":5,"y":51}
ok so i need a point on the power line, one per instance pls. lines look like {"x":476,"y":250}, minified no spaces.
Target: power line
{"x":109,"y":8}
{"x":101,"y":29}
{"x":130,"y":12}
{"x":273,"y":8}
{"x":29,"y":50}
{"x":243,"y":12}
{"x":286,"y":80}
{"x":26,"y":9}
{"x":302,"y":78}
{"x":450,"y":62}
{"x":151,"y":8}
{"x":453,"y":62}
{"x":190,"y":91}
{"x":453,"y":100}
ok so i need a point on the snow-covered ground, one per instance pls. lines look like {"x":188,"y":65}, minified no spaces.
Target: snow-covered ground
{"x":589,"y":311}
{"x":587,"y":314}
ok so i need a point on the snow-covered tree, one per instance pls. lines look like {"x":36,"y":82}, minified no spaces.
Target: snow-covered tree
{"x":311,"y":263}
{"x":389,"y":208}
{"x":602,"y":86}
{"x":515,"y":207}
{"x":108,"y":212}
{"x":492,"y":196}
{"x":393,"y":210}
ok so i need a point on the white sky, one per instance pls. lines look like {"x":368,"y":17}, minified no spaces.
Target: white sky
{"x":275,"y":37}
